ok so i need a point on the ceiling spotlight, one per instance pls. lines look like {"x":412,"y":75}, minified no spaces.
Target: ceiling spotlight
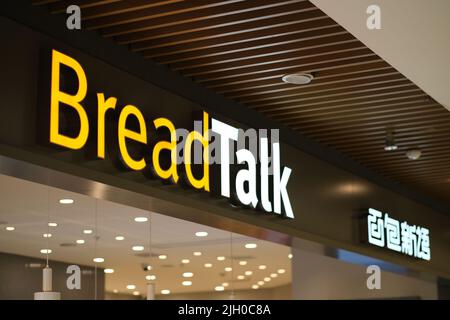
{"x":220,"y":258}
{"x":267,"y":279}
{"x":136,"y":293}
{"x":225,"y":284}
{"x":251,"y":245}
{"x":413,"y":154}
{"x":108,"y":271}
{"x":120,"y":238}
{"x":188,"y":275}
{"x":80,"y":241}
{"x":10,"y":228}
{"x":240,"y":277}
{"x":248,"y":273}
{"x":165,"y":291}
{"x":131,"y":287}
{"x":52,"y":224}
{"x":219,"y":288}
{"x":46,"y":251}
{"x":66,"y":201}
{"x":148,"y":268}
{"x":389,"y":144}
{"x":141,"y":219}
{"x":281,"y":271}
{"x":185,"y":261}
{"x":255,"y":286}
{"x":290,"y":255}
{"x":187,"y":283}
{"x":87,"y":231}
{"x":201,"y":233}
{"x":262,"y":267}
{"x":150,"y":277}
{"x":45,"y":235}
{"x":162,"y":257}
{"x":261,"y":283}
{"x":197,"y":253}
{"x":98,"y":260}
{"x":228,"y":269}
{"x":243,"y":263}
{"x":137,"y":248}
{"x":208,"y":265}
{"x":274,"y":275}
{"x":298,"y":78}
{"x":116,"y":291}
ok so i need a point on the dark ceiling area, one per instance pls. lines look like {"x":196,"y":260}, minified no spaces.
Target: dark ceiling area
{"x":242,"y":49}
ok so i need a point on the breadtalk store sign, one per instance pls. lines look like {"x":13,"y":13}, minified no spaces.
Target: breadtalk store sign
{"x":260,"y":185}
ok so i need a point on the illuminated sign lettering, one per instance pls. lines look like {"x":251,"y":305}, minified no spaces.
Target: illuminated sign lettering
{"x":253,"y":186}
{"x":385,"y":231}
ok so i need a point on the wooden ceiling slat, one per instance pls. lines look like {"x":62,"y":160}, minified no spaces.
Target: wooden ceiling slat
{"x":334,"y":85}
{"x":88,"y":5}
{"x":344,"y":72}
{"x":349,"y":57}
{"x":211,"y":22}
{"x":251,"y":48}
{"x":251,"y":38}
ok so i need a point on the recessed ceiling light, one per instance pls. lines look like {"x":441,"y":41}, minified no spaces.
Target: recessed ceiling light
{"x":136,"y":293}
{"x":260,"y":283}
{"x":208,"y":265}
{"x":243,"y":263}
{"x":197,"y":253}
{"x":87,"y":231}
{"x":298,"y":78}
{"x":228,"y":269}
{"x":251,"y":245}
{"x":274,"y":275}
{"x":45,"y":251}
{"x":201,"y":233}
{"x":108,"y":270}
{"x":255,"y":286}
{"x":262,"y":267}
{"x":219,"y":288}
{"x":281,"y":271}
{"x":47,"y":235}
{"x":141,"y":219}
{"x":290,"y":255}
{"x":150,"y":277}
{"x":165,"y":291}
{"x":187,"y":283}
{"x":413,"y":154}
{"x":220,"y":258}
{"x":10,"y":228}
{"x":115,"y":291}
{"x":148,"y":268}
{"x":267,"y":279}
{"x":240,"y":277}
{"x":52,"y":224}
{"x":248,"y":273}
{"x":188,"y":275}
{"x":131,"y":287}
{"x":120,"y":238}
{"x":66,"y":201}
{"x":185,"y":261}
{"x":225,"y":284}
{"x":162,"y":257}
{"x":80,"y":241}
{"x":137,"y":248}
{"x":389,"y":144}
{"x":98,"y":260}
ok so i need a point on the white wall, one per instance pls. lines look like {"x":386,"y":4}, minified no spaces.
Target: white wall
{"x":315,"y":276}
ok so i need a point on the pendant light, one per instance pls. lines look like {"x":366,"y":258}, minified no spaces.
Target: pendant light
{"x":47,"y":288}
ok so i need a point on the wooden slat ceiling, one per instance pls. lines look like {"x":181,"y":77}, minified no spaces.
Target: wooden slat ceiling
{"x":241,"y":49}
